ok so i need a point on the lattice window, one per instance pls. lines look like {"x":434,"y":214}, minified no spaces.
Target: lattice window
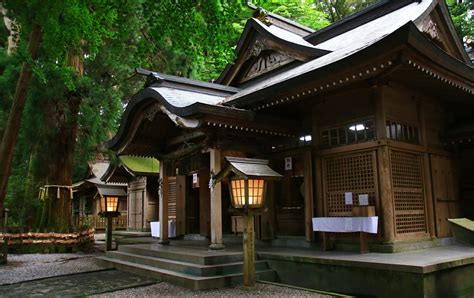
{"x":171,"y":197}
{"x":349,"y":173}
{"x":408,"y":196}
{"x":402,"y":132}
{"x":348,"y":134}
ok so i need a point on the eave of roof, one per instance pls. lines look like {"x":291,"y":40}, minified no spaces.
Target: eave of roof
{"x":111,"y":172}
{"x":289,"y":41}
{"x":357,"y":19}
{"x":329,"y":64}
{"x":141,"y":165}
{"x":186,"y":109}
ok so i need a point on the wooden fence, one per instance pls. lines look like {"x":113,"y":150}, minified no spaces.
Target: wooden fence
{"x":100,"y":223}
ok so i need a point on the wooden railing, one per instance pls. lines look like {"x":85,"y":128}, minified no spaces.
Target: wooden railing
{"x":100,"y":223}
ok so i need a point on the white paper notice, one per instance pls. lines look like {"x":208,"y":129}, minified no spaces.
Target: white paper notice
{"x":363,"y":200}
{"x":348,"y":198}
{"x":288,"y":163}
{"x":195,"y":178}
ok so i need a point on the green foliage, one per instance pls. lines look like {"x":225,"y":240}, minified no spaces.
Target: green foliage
{"x":459,"y":14}
{"x":191,"y":38}
{"x":338,"y":9}
{"x":300,"y":11}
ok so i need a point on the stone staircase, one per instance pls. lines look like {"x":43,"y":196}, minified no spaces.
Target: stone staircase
{"x":190,"y":267}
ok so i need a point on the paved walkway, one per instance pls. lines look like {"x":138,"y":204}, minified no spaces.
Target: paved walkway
{"x":82,"y":284}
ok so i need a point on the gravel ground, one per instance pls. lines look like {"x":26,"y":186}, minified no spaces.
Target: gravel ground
{"x":164,"y":289}
{"x":33,"y":266}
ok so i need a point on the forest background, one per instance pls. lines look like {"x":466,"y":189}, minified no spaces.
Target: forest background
{"x":80,"y":56}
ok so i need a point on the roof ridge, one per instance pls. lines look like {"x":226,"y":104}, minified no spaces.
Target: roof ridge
{"x":282,"y":19}
{"x":161,"y":77}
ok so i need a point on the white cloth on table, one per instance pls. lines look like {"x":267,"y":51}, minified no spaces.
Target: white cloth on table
{"x":346,"y":224}
{"x":155,"y":228}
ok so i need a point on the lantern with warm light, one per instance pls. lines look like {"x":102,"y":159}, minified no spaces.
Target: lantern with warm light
{"x":256,"y":192}
{"x":109,"y":207}
{"x":109,"y":204}
{"x":248,"y":180}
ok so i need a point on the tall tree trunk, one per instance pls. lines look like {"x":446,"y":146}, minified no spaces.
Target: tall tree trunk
{"x":10,"y":135}
{"x":62,"y":158}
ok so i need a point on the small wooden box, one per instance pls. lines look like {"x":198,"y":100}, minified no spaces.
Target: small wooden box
{"x":363,"y":211}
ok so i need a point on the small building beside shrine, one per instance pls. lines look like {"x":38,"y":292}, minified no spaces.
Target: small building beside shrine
{"x":140,"y":175}
{"x":379,"y":104}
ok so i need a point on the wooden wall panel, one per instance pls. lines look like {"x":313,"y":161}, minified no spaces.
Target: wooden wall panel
{"x":358,"y":104}
{"x":400,"y":106}
{"x":434,"y":124}
{"x":444,"y":172}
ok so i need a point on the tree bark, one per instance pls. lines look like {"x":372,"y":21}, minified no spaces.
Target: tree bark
{"x":10,"y":135}
{"x":61,"y":158}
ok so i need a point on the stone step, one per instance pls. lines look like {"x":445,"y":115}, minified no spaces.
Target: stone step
{"x":182,"y":279}
{"x":294,"y":242}
{"x":184,"y":267}
{"x":183,"y":254}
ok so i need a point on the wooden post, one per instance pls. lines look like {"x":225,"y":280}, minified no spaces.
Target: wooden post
{"x":308,"y":196}
{"x":428,"y":187}
{"x":108,"y":240}
{"x":249,"y":250}
{"x":163,"y":208}
{"x":386,"y":194}
{"x":216,"y":203}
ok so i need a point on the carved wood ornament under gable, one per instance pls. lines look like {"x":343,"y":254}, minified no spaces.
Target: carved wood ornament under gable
{"x":267,"y":60}
{"x":151,"y":112}
{"x":431,"y":29}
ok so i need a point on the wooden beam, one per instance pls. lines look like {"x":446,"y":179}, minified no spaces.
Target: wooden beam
{"x":184,"y":138}
{"x":216,"y":202}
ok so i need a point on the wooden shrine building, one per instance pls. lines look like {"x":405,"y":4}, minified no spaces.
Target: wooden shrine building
{"x":140,"y":175}
{"x":380,"y":103}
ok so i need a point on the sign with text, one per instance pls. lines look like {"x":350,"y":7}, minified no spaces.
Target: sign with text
{"x":288,"y":163}
{"x":364,"y":200}
{"x":348,"y":198}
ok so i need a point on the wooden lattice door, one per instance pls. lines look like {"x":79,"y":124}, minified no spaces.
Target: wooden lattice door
{"x":408,"y":193}
{"x":175,"y":189}
{"x":354,"y":173}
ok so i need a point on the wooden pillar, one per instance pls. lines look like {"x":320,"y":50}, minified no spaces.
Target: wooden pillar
{"x":163,"y":208}
{"x":318,"y":164}
{"x":216,"y":203}
{"x":427,"y":179}
{"x":249,"y":250}
{"x":386,"y":194}
{"x":308,"y":196}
